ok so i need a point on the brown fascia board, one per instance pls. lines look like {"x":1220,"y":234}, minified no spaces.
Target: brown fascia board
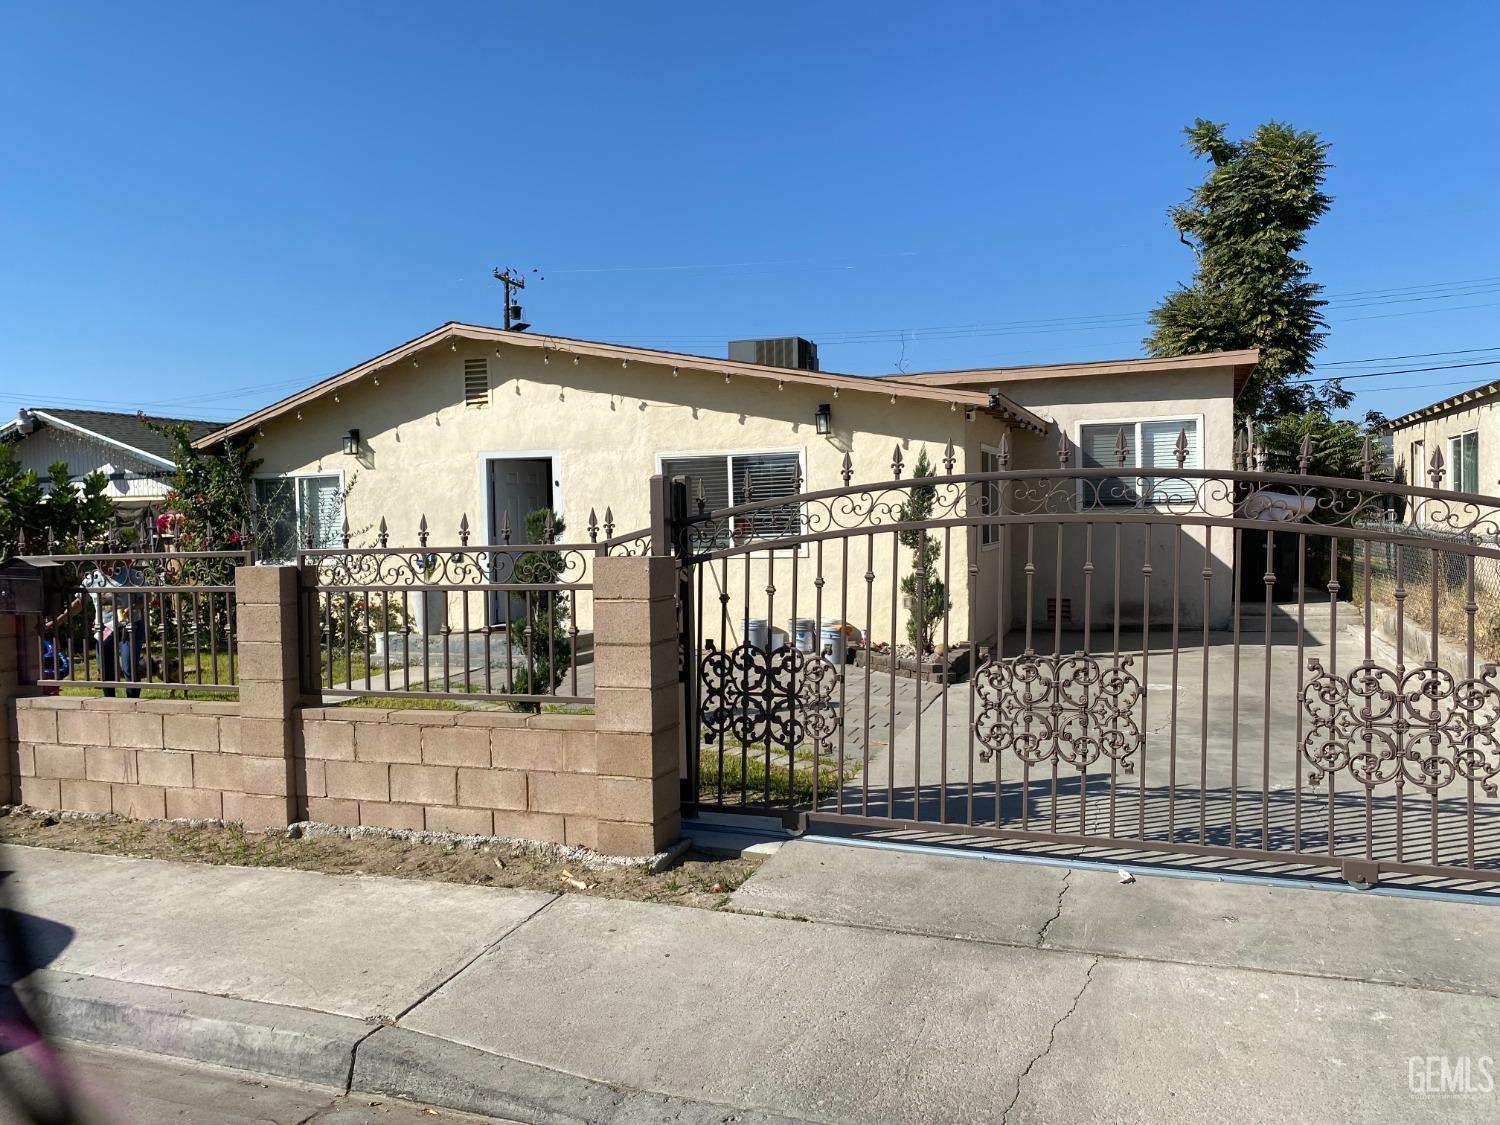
{"x":565,"y":346}
{"x":1443,"y":406}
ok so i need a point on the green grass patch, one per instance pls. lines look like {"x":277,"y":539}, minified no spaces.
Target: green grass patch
{"x":407,"y":703}
{"x":752,"y":776}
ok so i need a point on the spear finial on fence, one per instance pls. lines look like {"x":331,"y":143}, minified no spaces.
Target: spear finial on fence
{"x":746,"y":495}
{"x":382,"y":534}
{"x":948,"y":458}
{"x":896,"y":462}
{"x":700,"y":498}
{"x":846,"y":470}
{"x":1180,"y":450}
{"x":549,"y":531}
{"x":307,"y":536}
{"x":593,"y":526}
{"x":504,"y":529}
{"x":1120,"y":447}
{"x":21,"y":541}
{"x":422,"y":531}
{"x":1436,"y":471}
{"x":344,"y":531}
{"x":51,"y":542}
{"x":1004,"y":457}
{"x":463,"y":530}
{"x":1304,"y":453}
{"x":1366,"y":459}
{"x":609,"y":523}
{"x":1064,"y":451}
{"x":1239,"y":451}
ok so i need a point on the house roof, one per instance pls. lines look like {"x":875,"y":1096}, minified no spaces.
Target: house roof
{"x":1463,"y":398}
{"x":565,"y":346}
{"x":1242,"y":362}
{"x":127,"y":431}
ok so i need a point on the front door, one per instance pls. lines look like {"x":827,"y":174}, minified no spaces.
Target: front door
{"x":518,"y":486}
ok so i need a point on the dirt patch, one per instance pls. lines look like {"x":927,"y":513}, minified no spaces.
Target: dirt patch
{"x":694,"y":880}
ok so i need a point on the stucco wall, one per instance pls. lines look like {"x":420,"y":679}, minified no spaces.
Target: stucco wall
{"x":424,"y":453}
{"x":1482,"y":416}
{"x":1178,"y":556}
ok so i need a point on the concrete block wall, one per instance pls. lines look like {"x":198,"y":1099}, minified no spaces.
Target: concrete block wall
{"x":608,"y":781}
{"x":144,"y":758}
{"x":532,"y":777}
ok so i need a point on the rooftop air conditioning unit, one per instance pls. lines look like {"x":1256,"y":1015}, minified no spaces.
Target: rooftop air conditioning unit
{"x":781,"y":351}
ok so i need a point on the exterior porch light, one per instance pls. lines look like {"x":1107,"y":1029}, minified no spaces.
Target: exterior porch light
{"x":351,"y":443}
{"x":823,"y":418}
{"x":994,"y":396}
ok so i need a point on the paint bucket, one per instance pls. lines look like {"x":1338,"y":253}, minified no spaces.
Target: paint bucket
{"x":757,"y":633}
{"x":835,"y":642}
{"x":803,"y":632}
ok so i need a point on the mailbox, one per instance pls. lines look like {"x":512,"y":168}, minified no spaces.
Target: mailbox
{"x":31,"y":586}
{"x":20,"y":588}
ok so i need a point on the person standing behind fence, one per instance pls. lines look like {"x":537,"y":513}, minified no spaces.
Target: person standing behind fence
{"x":119,"y":633}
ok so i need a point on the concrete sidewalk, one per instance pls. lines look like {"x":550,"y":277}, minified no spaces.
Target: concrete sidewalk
{"x":842,"y":984}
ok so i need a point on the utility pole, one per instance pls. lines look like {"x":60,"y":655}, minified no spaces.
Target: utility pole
{"x":511,"y":281}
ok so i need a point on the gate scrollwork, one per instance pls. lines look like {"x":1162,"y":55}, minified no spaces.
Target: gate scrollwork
{"x":1068,"y":707}
{"x":1423,"y":726}
{"x":779,"y":696}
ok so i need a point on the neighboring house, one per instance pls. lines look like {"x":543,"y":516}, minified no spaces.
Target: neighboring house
{"x":488,"y":424}
{"x":135,"y":458}
{"x":1464,"y":428}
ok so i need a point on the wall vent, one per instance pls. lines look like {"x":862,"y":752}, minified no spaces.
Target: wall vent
{"x":477,"y":383}
{"x":1056,"y":608}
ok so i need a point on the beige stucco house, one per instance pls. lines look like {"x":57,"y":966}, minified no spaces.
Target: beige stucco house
{"x":486,"y":424}
{"x":1464,"y":429}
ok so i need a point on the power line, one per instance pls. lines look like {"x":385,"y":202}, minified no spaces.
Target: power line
{"x":1398,"y":371}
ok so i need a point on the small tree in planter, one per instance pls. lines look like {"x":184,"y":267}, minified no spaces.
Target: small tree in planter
{"x":546,"y":635}
{"x":925,"y":596}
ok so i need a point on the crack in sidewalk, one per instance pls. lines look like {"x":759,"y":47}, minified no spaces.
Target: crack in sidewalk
{"x":1051,"y":1039}
{"x":1041,"y":935}
{"x":395,"y":1021}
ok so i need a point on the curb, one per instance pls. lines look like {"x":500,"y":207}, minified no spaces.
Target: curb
{"x":346,"y":1054}
{"x":241,"y":1034}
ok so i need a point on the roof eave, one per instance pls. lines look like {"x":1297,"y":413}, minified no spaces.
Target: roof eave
{"x":707,"y":364}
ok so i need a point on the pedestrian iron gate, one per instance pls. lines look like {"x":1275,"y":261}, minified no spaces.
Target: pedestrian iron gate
{"x":1277,"y":668}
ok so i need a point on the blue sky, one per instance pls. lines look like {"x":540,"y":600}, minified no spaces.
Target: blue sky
{"x":206,"y":206}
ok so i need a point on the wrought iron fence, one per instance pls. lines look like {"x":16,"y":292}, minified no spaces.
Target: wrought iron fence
{"x":504,"y":622}
{"x":135,"y":620}
{"x":1142,"y":658}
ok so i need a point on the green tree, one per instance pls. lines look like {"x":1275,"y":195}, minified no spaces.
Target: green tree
{"x":1246,"y":223}
{"x":73,"y":515}
{"x":210,"y":492}
{"x":546,"y":644}
{"x":922,"y":588}
{"x":1336,"y":446}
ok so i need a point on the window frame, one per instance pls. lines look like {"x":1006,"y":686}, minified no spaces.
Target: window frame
{"x":338,"y":474}
{"x":984,"y":543}
{"x":1455,"y":461}
{"x":1136,"y":423}
{"x":751,"y":451}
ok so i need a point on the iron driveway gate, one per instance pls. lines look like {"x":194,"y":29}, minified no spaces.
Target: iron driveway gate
{"x":1273,"y":667}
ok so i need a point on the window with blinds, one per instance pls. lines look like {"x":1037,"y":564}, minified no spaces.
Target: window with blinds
{"x":291,"y":511}
{"x":725,"y":479}
{"x":1148,"y":445}
{"x":477,"y":383}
